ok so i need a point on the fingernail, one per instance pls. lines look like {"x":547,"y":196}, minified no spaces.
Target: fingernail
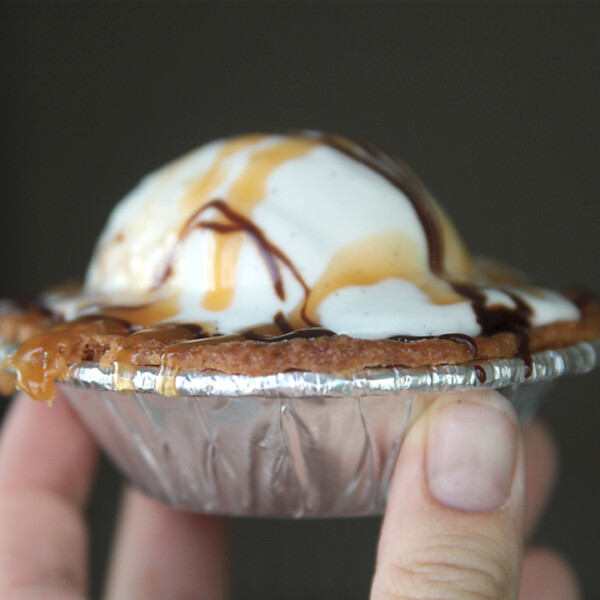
{"x":470,"y":457}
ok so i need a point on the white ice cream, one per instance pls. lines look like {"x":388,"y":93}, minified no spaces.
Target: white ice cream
{"x":336,"y":224}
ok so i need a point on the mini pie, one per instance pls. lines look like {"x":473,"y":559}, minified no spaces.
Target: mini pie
{"x":302,"y":251}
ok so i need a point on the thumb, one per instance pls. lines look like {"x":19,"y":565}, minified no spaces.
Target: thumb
{"x":453,"y":524}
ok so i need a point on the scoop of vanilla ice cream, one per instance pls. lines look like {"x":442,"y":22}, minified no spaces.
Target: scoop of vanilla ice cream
{"x":312,"y":228}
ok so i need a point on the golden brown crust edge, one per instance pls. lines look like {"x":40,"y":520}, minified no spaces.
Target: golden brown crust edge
{"x":343,"y":354}
{"x":333,"y":354}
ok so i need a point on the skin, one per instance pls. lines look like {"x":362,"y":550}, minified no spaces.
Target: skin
{"x":47,"y":463}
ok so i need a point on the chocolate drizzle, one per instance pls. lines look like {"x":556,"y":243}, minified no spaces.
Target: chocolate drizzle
{"x":583,"y":298}
{"x":498,"y":318}
{"x":459,"y":338}
{"x":237,"y":223}
{"x":308,"y":333}
{"x":283,"y":324}
{"x":480,"y":372}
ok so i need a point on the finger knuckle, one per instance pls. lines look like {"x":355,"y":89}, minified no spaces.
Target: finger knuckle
{"x":457,"y":569}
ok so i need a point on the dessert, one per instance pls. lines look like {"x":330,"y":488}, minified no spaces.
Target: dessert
{"x":267,"y":253}
{"x":264,"y":318}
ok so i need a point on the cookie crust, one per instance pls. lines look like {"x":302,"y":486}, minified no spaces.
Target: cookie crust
{"x":328,"y":354}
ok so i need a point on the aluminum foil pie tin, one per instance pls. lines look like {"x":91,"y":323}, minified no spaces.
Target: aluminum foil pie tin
{"x":287,"y":445}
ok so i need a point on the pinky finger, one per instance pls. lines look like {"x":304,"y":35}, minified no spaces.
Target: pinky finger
{"x":547,"y":576}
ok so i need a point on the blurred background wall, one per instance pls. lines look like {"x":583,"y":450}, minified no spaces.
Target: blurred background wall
{"x":495,"y":105}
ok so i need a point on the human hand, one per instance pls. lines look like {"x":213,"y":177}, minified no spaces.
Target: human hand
{"x":467,"y":492}
{"x":427,"y":549}
{"x":47,"y":461}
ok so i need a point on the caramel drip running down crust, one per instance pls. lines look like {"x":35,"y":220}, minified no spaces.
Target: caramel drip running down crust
{"x":45,"y":357}
{"x":48,"y":356}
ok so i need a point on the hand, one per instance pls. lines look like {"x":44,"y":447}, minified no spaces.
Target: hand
{"x":442,"y":540}
{"x":458,"y":515}
{"x":47,"y":461}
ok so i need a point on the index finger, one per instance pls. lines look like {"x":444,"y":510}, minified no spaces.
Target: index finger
{"x":47,"y":461}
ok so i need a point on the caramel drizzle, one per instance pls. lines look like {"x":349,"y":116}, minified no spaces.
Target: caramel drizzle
{"x":47,"y":356}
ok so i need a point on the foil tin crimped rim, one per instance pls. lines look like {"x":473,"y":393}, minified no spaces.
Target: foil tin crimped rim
{"x":491,"y":374}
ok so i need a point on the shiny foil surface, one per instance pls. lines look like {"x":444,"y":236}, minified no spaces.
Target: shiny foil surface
{"x":287,"y":445}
